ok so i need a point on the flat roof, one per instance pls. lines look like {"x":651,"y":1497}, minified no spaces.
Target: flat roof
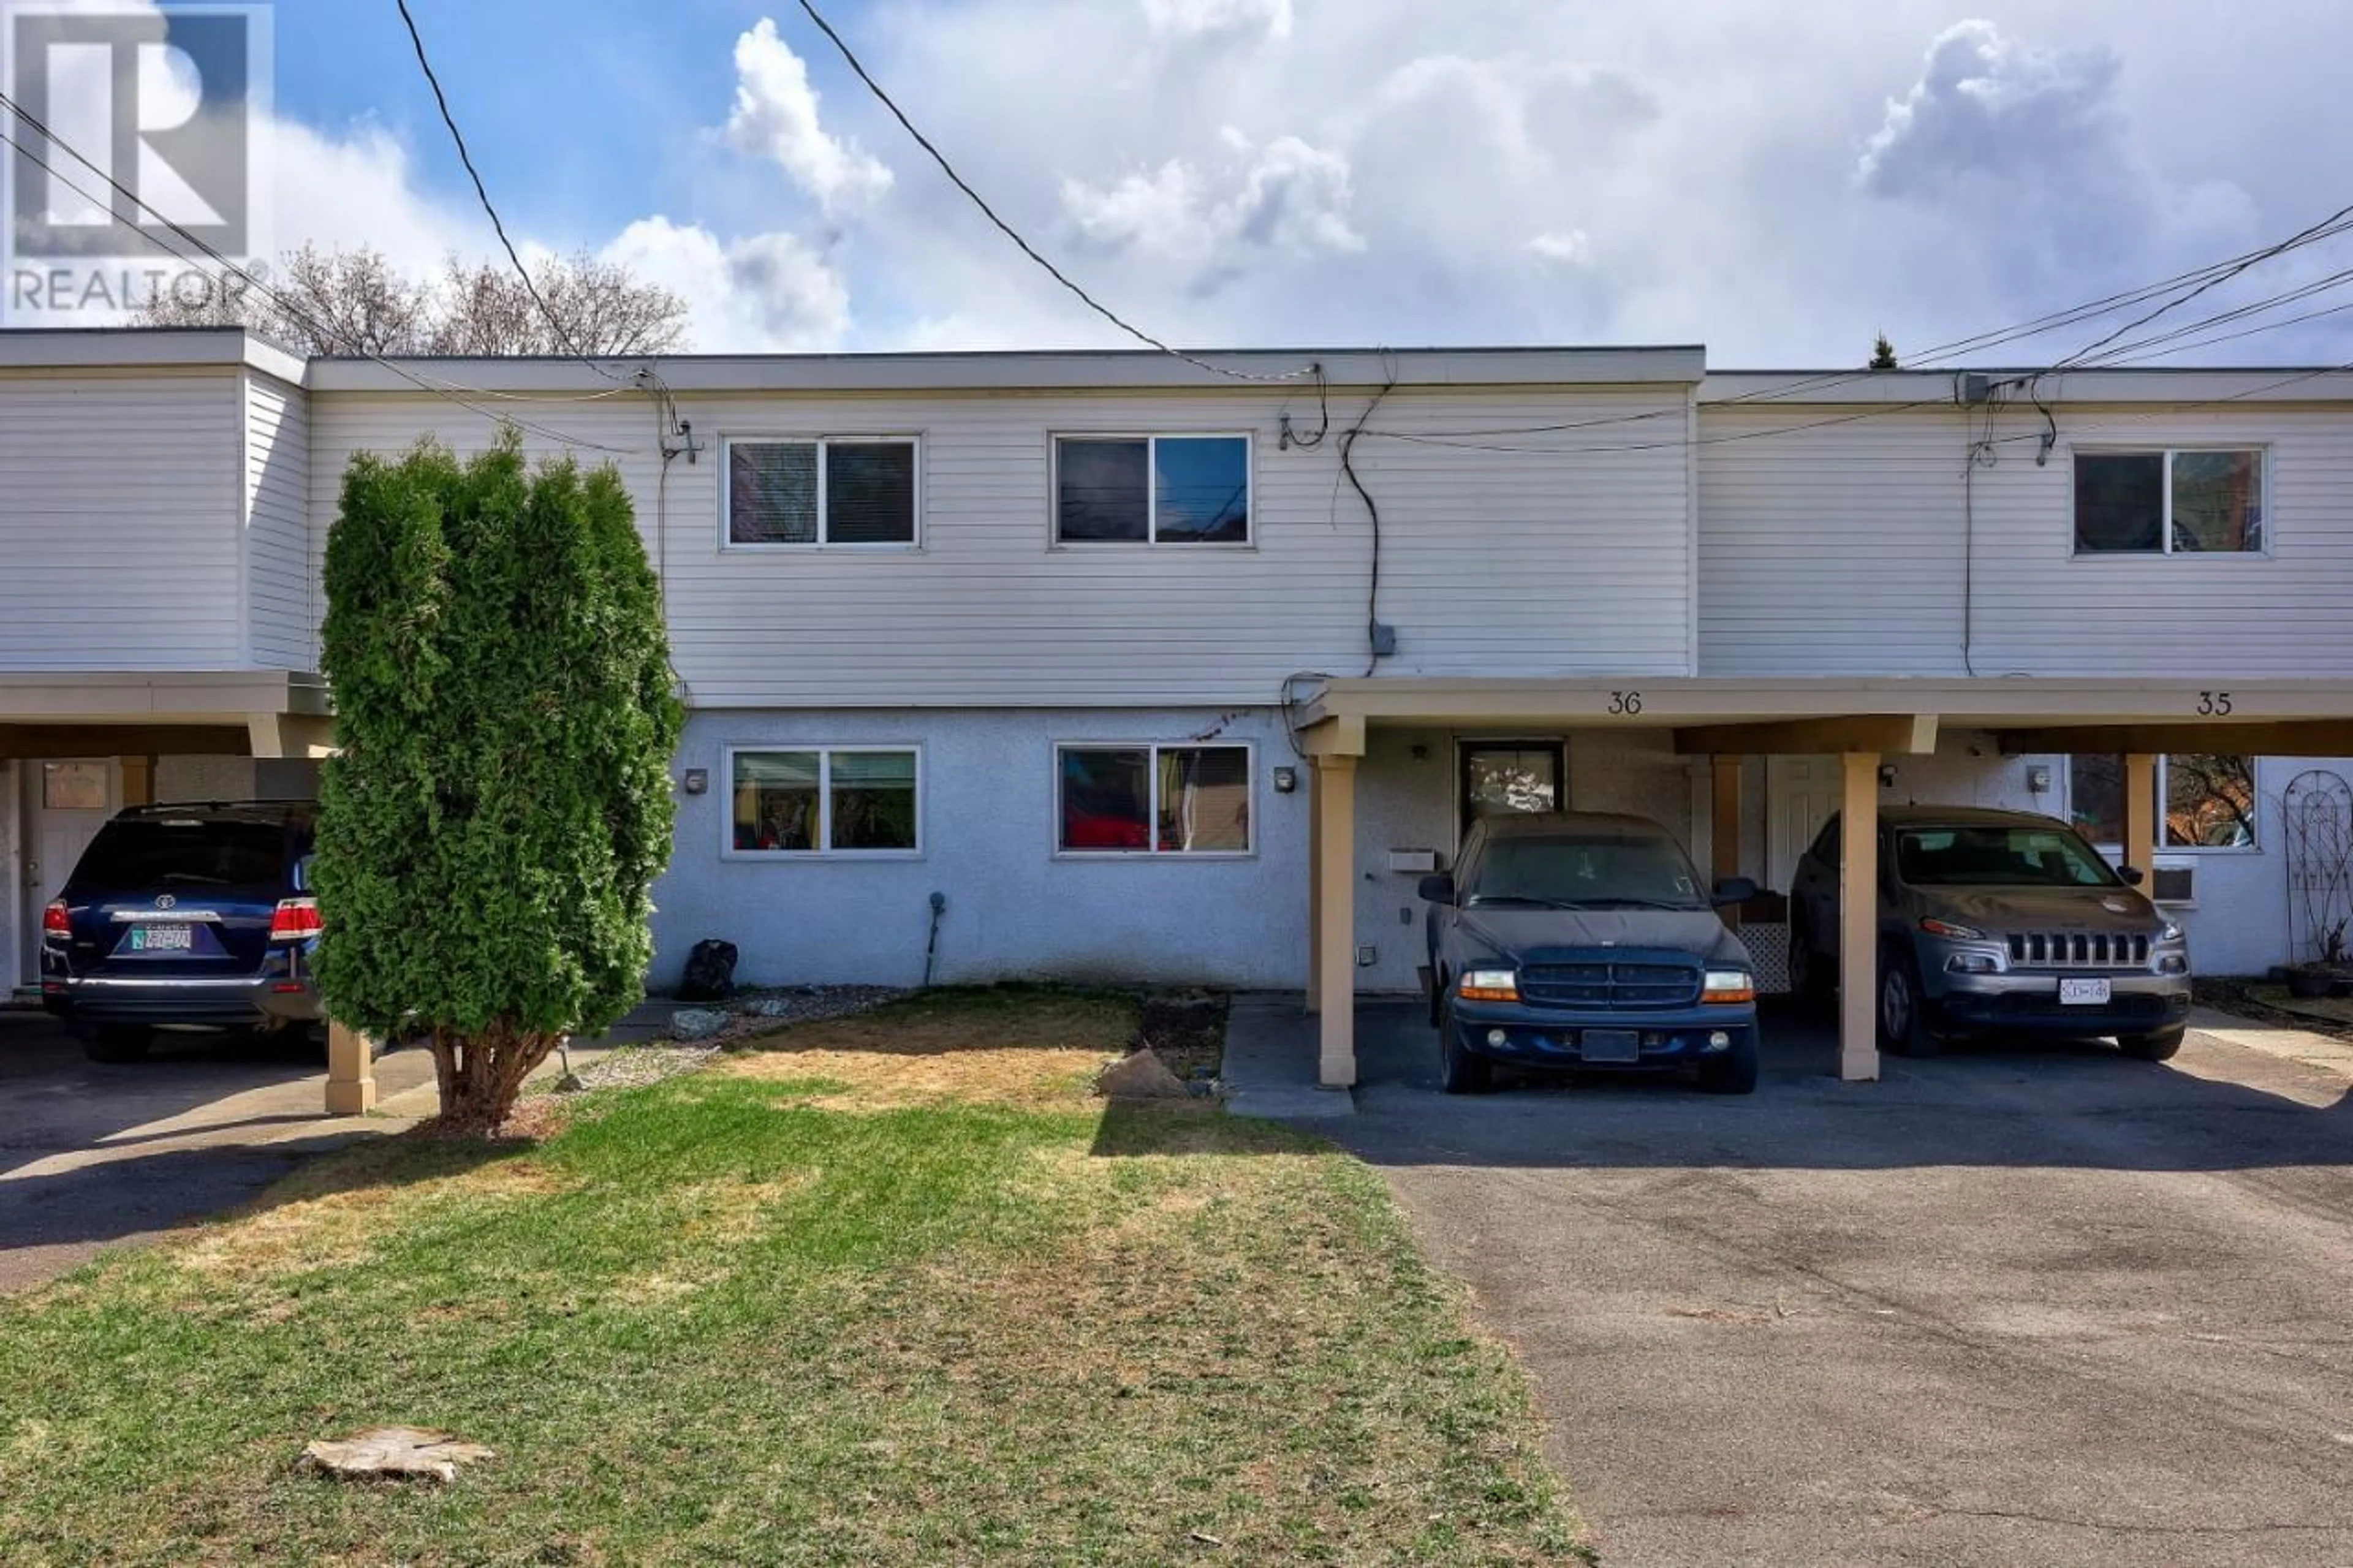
{"x":1273,"y":371}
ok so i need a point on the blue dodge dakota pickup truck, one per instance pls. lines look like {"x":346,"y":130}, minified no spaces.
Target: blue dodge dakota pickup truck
{"x":1578,"y":940}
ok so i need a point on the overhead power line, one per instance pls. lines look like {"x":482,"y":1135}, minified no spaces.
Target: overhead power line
{"x":451,"y":392}
{"x":563,"y":337}
{"x":1006,"y":229}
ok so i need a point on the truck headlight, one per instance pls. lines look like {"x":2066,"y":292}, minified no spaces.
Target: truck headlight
{"x":1728,"y":985}
{"x":1489,"y":986}
{"x":1952,"y":930}
{"x":2172,"y":932}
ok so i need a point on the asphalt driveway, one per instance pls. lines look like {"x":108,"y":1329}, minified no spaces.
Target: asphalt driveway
{"x":93,"y":1156}
{"x":2030,"y":1305}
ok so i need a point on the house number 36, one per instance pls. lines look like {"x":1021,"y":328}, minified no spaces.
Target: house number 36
{"x":2214,"y":705}
{"x":1625,"y":703}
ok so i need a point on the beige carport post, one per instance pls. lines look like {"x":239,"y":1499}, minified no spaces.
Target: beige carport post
{"x":2143,"y":832}
{"x":351,"y":1070}
{"x":1333,"y":749}
{"x":1859,"y":741}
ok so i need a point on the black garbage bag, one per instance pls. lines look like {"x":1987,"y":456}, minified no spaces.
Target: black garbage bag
{"x":710,"y":972}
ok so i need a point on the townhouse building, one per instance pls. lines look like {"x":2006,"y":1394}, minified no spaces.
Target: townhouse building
{"x":1152,"y":673}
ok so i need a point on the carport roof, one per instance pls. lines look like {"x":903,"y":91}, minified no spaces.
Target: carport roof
{"x":1817,"y":714}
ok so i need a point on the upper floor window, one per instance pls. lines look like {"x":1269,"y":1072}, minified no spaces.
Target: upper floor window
{"x":828,"y":490}
{"x":1152,"y":490}
{"x":2169,"y":502}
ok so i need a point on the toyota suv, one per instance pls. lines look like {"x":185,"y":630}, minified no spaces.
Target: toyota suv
{"x":1580,"y":939}
{"x":1997,"y":921}
{"x":184,"y":917}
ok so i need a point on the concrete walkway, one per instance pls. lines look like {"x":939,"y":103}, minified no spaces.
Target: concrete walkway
{"x":1269,"y":1062}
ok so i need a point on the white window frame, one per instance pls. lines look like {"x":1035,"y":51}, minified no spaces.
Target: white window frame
{"x":1152,"y":439}
{"x":2116,"y":852}
{"x":1152,"y":850}
{"x":728,"y":443}
{"x":826,"y":751}
{"x":2165,"y":550}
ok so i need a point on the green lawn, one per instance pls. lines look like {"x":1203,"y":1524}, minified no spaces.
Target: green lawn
{"x":894,"y":1292}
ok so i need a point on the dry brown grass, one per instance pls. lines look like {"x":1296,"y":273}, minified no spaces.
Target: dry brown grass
{"x":1040,"y":1055}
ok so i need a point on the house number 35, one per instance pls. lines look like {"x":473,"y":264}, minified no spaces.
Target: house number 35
{"x":2214,"y":705}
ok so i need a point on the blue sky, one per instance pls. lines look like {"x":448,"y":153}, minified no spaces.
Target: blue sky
{"x":1778,"y":182}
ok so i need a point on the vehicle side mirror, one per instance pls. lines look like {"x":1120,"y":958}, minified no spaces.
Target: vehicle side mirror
{"x":1438,"y":890}
{"x":2133,"y":875}
{"x":1733,"y":891}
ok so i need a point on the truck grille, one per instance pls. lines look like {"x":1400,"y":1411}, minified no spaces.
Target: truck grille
{"x":1627,"y":985}
{"x":2078,"y":949}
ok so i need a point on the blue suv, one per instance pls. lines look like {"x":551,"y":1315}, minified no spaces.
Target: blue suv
{"x":1582,"y":939}
{"x":184,"y":917}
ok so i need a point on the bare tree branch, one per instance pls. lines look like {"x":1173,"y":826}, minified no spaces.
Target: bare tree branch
{"x":346,"y":303}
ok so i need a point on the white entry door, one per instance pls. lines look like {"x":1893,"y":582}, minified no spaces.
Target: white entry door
{"x":67,"y":801}
{"x":1801,"y":793}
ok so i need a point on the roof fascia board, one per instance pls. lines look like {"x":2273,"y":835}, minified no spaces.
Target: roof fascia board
{"x":1043,"y":372}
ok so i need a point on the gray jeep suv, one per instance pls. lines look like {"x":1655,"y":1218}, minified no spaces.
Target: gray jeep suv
{"x":1997,"y":921}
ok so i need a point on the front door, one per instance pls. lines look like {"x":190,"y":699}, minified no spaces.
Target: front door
{"x":1500,"y":777}
{"x":66,"y":802}
{"x":1802,"y":793}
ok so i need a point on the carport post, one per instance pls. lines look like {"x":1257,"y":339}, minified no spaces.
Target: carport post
{"x":1723,"y":822}
{"x":1859,"y":918}
{"x":351,"y":1073}
{"x":1316,"y":890}
{"x":2141,"y":824}
{"x":1335,"y":964}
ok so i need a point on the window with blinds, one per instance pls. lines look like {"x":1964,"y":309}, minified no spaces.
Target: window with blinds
{"x":828,"y":490}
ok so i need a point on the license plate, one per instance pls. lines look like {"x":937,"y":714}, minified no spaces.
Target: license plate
{"x":1611,"y":1046}
{"x":162,"y":939}
{"x":2083,"y":992}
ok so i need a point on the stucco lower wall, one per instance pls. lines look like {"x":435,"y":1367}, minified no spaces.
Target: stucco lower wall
{"x":1015,"y":908}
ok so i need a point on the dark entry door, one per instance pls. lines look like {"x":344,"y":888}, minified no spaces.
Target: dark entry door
{"x":1502,"y":777}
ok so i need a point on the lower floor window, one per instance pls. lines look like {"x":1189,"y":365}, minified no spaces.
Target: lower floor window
{"x":826,"y":800}
{"x":2206,"y":799}
{"x":1151,"y":799}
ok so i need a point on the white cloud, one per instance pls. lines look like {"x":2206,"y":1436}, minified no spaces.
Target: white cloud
{"x":1215,"y":18}
{"x":1285,"y":199}
{"x":2026,"y":151}
{"x":776,"y":117}
{"x":1568,"y":247}
{"x":1986,"y":104}
{"x":769,"y":293}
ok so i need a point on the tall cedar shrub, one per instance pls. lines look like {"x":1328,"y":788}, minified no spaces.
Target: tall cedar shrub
{"x":490,"y":832}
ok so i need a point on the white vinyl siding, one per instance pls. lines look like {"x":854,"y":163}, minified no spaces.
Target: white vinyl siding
{"x":1534,"y":564}
{"x":1834,"y":551}
{"x":281,"y":606}
{"x":118,"y":541}
{"x":1839,"y":550}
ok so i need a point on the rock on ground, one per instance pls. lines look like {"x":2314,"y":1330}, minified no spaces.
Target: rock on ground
{"x":696,"y":1023}
{"x":1143,"y":1075}
{"x":396,"y":1453}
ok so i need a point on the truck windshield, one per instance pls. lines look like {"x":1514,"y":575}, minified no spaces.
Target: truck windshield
{"x":1588,"y":873}
{"x":1996,"y":856}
